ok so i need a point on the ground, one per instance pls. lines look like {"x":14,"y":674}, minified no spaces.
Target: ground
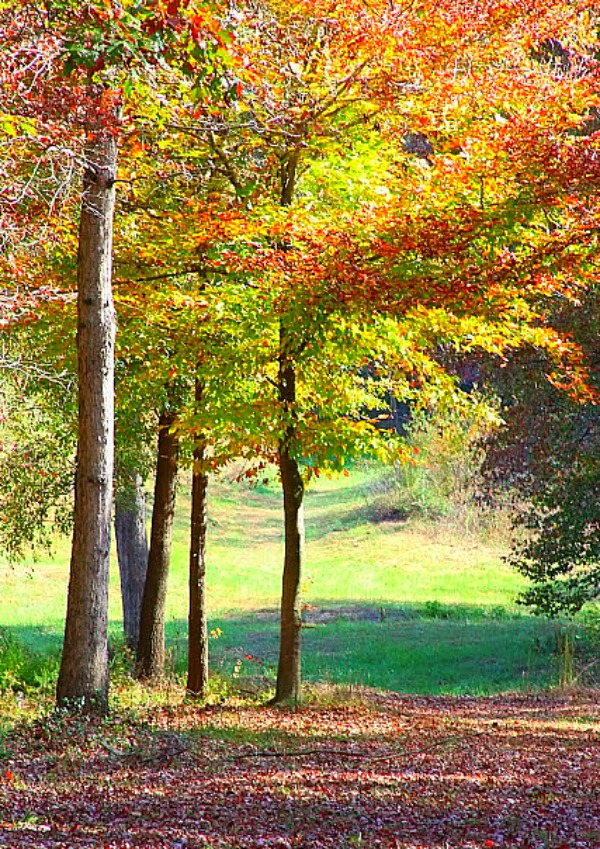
{"x":373,"y":770}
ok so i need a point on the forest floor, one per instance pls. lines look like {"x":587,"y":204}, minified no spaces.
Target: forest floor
{"x":375,"y":770}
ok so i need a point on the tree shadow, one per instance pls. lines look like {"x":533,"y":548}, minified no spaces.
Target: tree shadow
{"x":427,"y":648}
{"x":405,"y":648}
{"x":401,"y":772}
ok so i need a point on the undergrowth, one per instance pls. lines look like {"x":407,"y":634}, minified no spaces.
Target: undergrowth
{"x":442,"y":483}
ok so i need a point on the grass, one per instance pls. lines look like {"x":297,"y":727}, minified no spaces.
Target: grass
{"x":406,"y":653}
{"x":399,"y":604}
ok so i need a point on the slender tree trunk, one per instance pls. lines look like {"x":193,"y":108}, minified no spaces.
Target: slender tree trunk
{"x":132,"y":553}
{"x":197,"y":680}
{"x":150,"y":660}
{"x":289,"y":666}
{"x":289,"y":670}
{"x":83,"y":675}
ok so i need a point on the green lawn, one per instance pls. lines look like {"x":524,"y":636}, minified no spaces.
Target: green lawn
{"x":397,"y":604}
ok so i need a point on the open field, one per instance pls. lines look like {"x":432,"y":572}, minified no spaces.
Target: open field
{"x":396,"y":604}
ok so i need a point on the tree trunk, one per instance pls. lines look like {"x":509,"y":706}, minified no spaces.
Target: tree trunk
{"x":83,"y":675}
{"x":197,"y":680}
{"x":132,"y":553}
{"x":289,"y":666}
{"x":150,"y":660}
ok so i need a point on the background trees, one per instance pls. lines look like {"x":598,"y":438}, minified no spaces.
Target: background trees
{"x":547,"y":452}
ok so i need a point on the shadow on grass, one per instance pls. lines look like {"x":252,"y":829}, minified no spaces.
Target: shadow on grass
{"x":335,"y":519}
{"x":404,"y":648}
{"x":259,"y":518}
{"x":38,"y":639}
{"x":421,"y":649}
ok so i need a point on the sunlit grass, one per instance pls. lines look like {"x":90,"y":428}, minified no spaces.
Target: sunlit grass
{"x":352,"y":555}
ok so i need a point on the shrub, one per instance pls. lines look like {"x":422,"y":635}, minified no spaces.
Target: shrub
{"x":442,"y":480}
{"x":22,"y":669}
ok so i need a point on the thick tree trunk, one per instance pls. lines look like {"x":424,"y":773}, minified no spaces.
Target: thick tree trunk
{"x":132,"y":553}
{"x":83,"y":675}
{"x":289,"y":666}
{"x":150,"y":660}
{"x":197,"y":680}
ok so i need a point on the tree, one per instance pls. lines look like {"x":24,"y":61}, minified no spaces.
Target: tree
{"x":132,"y":554}
{"x":547,"y":454}
{"x":84,"y":666}
{"x":83,"y":676}
{"x":197,"y":677}
{"x":469,"y":262}
{"x":292,"y":90}
{"x":150,"y":655}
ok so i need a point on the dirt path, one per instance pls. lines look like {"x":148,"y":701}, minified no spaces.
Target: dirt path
{"x":388,"y":771}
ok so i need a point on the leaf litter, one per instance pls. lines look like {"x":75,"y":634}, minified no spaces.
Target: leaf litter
{"x":400,"y":772}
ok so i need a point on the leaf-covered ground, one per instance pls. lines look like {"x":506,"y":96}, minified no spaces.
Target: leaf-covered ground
{"x":388,"y":771}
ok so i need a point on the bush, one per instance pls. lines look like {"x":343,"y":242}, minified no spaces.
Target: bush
{"x":442,"y":480}
{"x":22,"y":669}
{"x":548,"y":453}
{"x":588,"y":648}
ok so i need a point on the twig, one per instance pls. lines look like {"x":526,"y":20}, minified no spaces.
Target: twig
{"x":112,"y":751}
{"x":177,"y":748}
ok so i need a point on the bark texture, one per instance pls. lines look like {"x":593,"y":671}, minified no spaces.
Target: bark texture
{"x":289,"y":667}
{"x":197,"y":679}
{"x":132,"y":553}
{"x":150,"y":660}
{"x":83,"y":675}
